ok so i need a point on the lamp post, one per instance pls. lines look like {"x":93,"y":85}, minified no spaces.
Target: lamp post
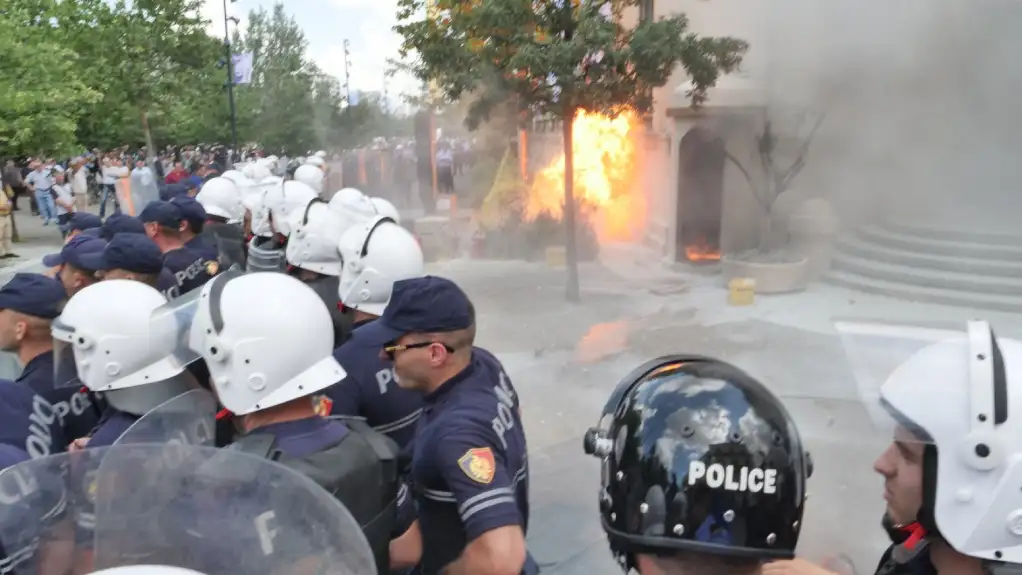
{"x":229,"y":60}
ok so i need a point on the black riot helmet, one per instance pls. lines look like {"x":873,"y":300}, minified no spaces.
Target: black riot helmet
{"x":698,"y":456}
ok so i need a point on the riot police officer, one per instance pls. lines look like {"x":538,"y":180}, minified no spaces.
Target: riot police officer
{"x":121,"y":224}
{"x":191,"y":228}
{"x":107,"y":340}
{"x":191,"y":268}
{"x":703,"y":470}
{"x":80,"y":222}
{"x":221,"y":200}
{"x":375,"y":255}
{"x":313,"y":257}
{"x":949,"y":400}
{"x":271,"y":211}
{"x":72,"y":273}
{"x":28,"y":305}
{"x":468,"y":466}
{"x":265,"y":364}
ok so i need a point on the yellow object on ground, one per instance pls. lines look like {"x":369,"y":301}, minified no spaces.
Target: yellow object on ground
{"x":505,"y":194}
{"x":741,"y":291}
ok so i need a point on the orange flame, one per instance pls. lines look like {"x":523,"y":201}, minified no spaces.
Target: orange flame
{"x":605,"y":178}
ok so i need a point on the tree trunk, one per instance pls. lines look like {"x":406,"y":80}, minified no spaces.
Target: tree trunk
{"x":150,"y":151}
{"x":570,"y":246}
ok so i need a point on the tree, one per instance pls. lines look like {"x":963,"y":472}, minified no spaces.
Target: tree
{"x":41,"y":95}
{"x":793,"y":141}
{"x":557,"y":57}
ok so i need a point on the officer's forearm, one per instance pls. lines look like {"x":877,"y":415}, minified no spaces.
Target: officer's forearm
{"x":406,"y":550}
{"x":500,"y":551}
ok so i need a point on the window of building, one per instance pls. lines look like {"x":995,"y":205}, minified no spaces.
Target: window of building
{"x":645,"y":10}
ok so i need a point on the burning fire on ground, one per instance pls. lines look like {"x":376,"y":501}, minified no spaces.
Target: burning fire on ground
{"x":607,"y":186}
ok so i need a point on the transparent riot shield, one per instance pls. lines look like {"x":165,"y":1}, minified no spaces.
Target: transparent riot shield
{"x":144,"y":188}
{"x":188,"y":507}
{"x":188,"y":419}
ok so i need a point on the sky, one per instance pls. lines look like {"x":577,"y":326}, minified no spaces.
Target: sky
{"x":366,"y":24}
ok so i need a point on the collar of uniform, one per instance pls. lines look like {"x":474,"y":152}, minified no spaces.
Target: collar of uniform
{"x":293,"y":427}
{"x":437,"y":394}
{"x":362,"y":322}
{"x":42,"y":361}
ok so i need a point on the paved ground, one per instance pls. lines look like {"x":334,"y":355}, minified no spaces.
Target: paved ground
{"x":565,"y":358}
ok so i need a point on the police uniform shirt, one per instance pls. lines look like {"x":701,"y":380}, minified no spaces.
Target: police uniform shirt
{"x":190,"y":268}
{"x":28,"y":422}
{"x":167,"y":285}
{"x":369,"y":391}
{"x":74,"y":405}
{"x":469,"y":462}
{"x":111,"y":427}
{"x":199,"y":244}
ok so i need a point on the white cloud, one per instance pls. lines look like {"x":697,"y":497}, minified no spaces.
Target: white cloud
{"x":213,"y":11}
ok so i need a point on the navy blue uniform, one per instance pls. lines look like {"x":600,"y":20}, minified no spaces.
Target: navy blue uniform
{"x":469,"y":462}
{"x":370,"y":391}
{"x":78,"y":413}
{"x":28,"y":422}
{"x":190,"y":268}
{"x":200,"y":245}
{"x":111,"y":427}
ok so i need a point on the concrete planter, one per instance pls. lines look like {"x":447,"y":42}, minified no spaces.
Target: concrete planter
{"x":770,"y":277}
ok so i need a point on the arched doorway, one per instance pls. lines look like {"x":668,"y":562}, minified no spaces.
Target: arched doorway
{"x":701,"y":160}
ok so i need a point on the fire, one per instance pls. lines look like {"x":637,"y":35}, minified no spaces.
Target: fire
{"x":605,"y":178}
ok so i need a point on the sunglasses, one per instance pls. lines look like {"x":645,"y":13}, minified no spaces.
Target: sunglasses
{"x":390,"y":350}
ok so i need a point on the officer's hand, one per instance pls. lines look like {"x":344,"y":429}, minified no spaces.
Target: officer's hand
{"x":78,"y":444}
{"x":794,"y":567}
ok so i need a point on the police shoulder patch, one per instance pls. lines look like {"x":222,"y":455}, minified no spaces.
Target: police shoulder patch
{"x":212,"y":266}
{"x":323,"y":405}
{"x":478,"y":464}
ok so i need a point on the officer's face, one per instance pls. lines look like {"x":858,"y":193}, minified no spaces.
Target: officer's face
{"x":415,"y":357}
{"x":901,"y":464}
{"x":116,"y":275}
{"x":12,"y":330}
{"x":151,"y":229}
{"x":73,"y":280}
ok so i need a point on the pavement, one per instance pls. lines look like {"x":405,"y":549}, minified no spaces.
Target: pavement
{"x":565,"y":359}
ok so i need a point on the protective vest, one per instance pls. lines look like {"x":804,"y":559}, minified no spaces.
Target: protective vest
{"x":361,"y":471}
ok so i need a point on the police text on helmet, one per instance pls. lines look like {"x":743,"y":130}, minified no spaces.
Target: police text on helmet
{"x":733,"y":477}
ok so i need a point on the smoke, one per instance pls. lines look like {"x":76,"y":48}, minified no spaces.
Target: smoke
{"x":920,"y":98}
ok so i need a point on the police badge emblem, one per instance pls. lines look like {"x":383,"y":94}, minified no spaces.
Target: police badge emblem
{"x":212,"y":267}
{"x":478,"y":464}
{"x":323,"y":405}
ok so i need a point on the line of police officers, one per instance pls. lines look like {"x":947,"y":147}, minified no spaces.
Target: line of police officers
{"x":418,"y":432}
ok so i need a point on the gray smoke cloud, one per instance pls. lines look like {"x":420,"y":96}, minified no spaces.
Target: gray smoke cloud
{"x":921,"y":101}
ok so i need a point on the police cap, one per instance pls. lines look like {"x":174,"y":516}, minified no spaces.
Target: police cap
{"x":698,"y":457}
{"x":121,"y":224}
{"x":129,"y":252}
{"x":33,"y":294}
{"x":73,"y":251}
{"x":163,"y":213}
{"x":191,"y":210}
{"x":82,"y":221}
{"x":419,"y":305}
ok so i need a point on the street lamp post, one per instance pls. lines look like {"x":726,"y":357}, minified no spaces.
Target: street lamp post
{"x":230,"y":86}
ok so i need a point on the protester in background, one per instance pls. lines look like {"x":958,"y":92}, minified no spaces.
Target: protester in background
{"x":79,"y":184}
{"x":13,"y":178}
{"x":39,"y":182}
{"x":6,"y":222}
{"x":110,"y":169}
{"x":177,"y":174}
{"x":63,"y":200}
{"x":445,"y":169}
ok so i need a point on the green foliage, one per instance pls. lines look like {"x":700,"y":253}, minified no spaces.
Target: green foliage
{"x":109,"y":73}
{"x":556,"y":56}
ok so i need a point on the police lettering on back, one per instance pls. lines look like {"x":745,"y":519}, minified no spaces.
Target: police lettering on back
{"x":733,"y":477}
{"x":384,"y":377}
{"x":505,"y":420}
{"x":40,"y":438}
{"x":191,"y":272}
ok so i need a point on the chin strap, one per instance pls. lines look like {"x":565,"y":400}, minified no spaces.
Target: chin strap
{"x":916,"y":533}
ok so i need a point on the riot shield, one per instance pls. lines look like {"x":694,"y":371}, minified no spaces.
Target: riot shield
{"x":197,"y":508}
{"x":189,"y":419}
{"x":144,"y":188}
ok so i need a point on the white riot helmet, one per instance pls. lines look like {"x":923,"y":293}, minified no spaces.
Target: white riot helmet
{"x":256,"y":172}
{"x":315,"y":235}
{"x":259,"y":355}
{"x":315,"y":161}
{"x":146,"y":570}
{"x":321,"y":154}
{"x":293,"y":198}
{"x":220,"y":197}
{"x":311,"y":176}
{"x":376,"y":254}
{"x":386,"y":209}
{"x":237,"y":177}
{"x":957,"y":393}
{"x":106,"y":340}
{"x":353,"y":206}
{"x":258,"y":201}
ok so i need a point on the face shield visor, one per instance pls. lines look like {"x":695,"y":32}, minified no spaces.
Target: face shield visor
{"x":65,"y":370}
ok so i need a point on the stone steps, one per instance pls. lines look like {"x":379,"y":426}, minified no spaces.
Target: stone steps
{"x":981,"y":270}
